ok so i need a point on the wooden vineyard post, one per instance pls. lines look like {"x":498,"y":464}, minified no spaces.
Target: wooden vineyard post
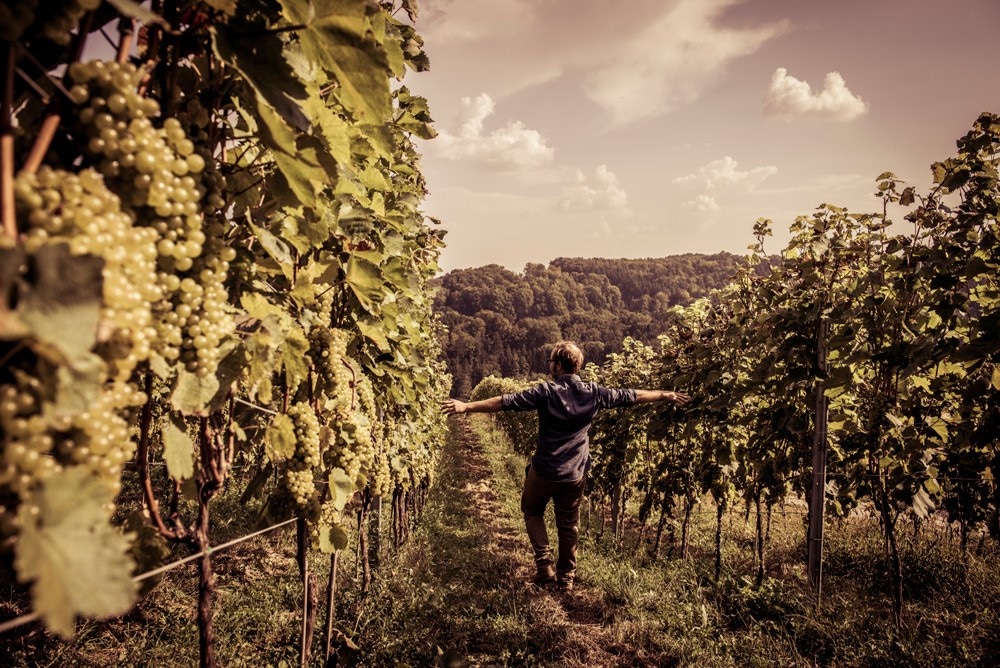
{"x":7,"y":207}
{"x":375,"y":530}
{"x":331,"y":596}
{"x":308,"y":591}
{"x":817,"y":502}
{"x":206,"y":585}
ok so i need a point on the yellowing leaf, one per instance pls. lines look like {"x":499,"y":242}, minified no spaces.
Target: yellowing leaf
{"x":76,"y":562}
{"x":178,"y":450}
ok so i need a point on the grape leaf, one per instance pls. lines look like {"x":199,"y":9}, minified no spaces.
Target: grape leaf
{"x":338,"y":36}
{"x":77,"y":563}
{"x":178,"y":450}
{"x":341,"y":488}
{"x":136,"y":11}
{"x":227,"y":7}
{"x":261,"y":62}
{"x":279,"y":442}
{"x":374,"y":334}
{"x":275,"y":247}
{"x":193,"y":393}
{"x":332,"y":538}
{"x":295,"y":359}
{"x":202,"y":395}
{"x":258,"y":306}
{"x":60,"y":301}
{"x":410,"y":6}
{"x":365,"y":280}
{"x":149,"y":548}
{"x":77,"y":386}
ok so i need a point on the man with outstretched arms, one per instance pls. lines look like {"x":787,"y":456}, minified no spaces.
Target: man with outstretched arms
{"x":566,"y":407}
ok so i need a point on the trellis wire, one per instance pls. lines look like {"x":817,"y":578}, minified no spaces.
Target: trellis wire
{"x":33,"y":616}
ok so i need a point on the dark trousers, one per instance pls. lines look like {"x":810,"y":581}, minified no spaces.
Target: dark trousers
{"x":566,"y":502}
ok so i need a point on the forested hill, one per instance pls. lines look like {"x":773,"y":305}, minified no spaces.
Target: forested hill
{"x":499,"y":321}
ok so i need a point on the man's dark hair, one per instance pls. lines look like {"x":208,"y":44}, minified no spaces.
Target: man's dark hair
{"x":568,"y":356}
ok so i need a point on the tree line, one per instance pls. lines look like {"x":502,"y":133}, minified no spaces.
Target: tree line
{"x":499,"y":322}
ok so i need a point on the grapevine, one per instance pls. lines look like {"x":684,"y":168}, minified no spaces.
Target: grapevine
{"x":222,"y":255}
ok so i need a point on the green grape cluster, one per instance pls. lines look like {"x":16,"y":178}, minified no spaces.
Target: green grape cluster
{"x":54,"y":20}
{"x":328,"y":350}
{"x":298,"y":475}
{"x":40,"y":433}
{"x":317,"y":316}
{"x":78,"y":209}
{"x":307,"y":446}
{"x":171,"y":188}
{"x":347,"y":399}
{"x":347,"y":414}
{"x":328,"y":516}
{"x":33,"y":445}
{"x":380,"y":478}
{"x":302,"y":488}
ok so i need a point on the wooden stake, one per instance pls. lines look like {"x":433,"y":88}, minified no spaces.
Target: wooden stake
{"x":331,"y":595}
{"x":817,"y":501}
{"x":206,"y":584}
{"x":7,"y":206}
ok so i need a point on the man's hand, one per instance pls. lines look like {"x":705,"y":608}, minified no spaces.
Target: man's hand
{"x":453,"y":406}
{"x":676,"y":398}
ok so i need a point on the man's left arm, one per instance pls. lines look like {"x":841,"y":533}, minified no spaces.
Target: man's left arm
{"x":456,"y":407}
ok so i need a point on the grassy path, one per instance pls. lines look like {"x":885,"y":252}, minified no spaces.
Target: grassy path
{"x":457,"y":594}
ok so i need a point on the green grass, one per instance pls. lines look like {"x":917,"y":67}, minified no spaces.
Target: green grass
{"x":455,"y":593}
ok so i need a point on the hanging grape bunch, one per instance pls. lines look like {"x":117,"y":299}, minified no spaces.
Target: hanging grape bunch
{"x":347,"y":401}
{"x":53,"y":20}
{"x":79,"y":210}
{"x":42,"y":433}
{"x":166,"y":184}
{"x":298,"y":474}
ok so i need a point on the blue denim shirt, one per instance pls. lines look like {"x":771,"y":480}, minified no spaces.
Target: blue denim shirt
{"x":566,"y":407}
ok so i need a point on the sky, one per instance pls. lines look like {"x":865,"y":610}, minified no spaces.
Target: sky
{"x":647,"y":128}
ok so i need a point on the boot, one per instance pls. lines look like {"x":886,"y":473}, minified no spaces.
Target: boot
{"x":544,"y":577}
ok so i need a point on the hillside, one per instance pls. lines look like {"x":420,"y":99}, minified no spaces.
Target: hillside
{"x":499,"y":321}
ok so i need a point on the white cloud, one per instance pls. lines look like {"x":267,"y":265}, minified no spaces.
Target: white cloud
{"x":602,"y":192}
{"x":788,"y":97}
{"x":443,"y":21}
{"x":673,"y":59}
{"x":725,"y":173}
{"x":509,"y":147}
{"x":703,"y":203}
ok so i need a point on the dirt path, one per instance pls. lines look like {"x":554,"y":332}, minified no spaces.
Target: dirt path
{"x":481,"y":564}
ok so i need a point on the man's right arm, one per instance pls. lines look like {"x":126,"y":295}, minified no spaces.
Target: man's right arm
{"x":649,"y":396}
